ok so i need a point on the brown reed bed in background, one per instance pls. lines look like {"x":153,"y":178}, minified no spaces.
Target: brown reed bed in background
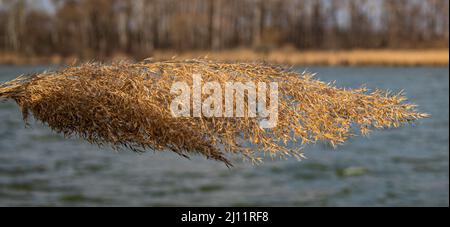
{"x":128,"y":105}
{"x":286,"y":55}
{"x":290,"y":56}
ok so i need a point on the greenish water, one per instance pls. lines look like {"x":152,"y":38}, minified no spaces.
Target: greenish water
{"x":397,"y":167}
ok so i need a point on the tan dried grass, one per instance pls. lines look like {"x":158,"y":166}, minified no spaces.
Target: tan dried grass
{"x":128,"y":105}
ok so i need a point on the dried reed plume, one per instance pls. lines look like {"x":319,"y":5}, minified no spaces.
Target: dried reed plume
{"x":128,"y":105}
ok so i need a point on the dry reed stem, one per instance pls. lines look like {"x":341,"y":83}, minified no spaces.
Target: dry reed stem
{"x":128,"y":105}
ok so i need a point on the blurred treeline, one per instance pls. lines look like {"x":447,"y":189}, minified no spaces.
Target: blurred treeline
{"x":86,"y":28}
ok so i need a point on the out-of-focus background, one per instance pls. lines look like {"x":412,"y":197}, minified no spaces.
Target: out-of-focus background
{"x":285,"y":31}
{"x":395,"y":45}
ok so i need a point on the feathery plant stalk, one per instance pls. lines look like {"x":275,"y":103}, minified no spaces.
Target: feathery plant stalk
{"x":128,"y":105}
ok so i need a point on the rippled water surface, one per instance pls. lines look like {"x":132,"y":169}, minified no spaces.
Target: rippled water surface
{"x":397,"y":167}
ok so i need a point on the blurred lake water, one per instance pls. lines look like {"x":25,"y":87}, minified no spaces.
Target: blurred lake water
{"x":397,"y":167}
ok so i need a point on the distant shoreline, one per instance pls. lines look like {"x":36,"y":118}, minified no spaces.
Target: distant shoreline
{"x":385,"y":57}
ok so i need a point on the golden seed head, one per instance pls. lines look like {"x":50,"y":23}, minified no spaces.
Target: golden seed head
{"x":128,"y":105}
